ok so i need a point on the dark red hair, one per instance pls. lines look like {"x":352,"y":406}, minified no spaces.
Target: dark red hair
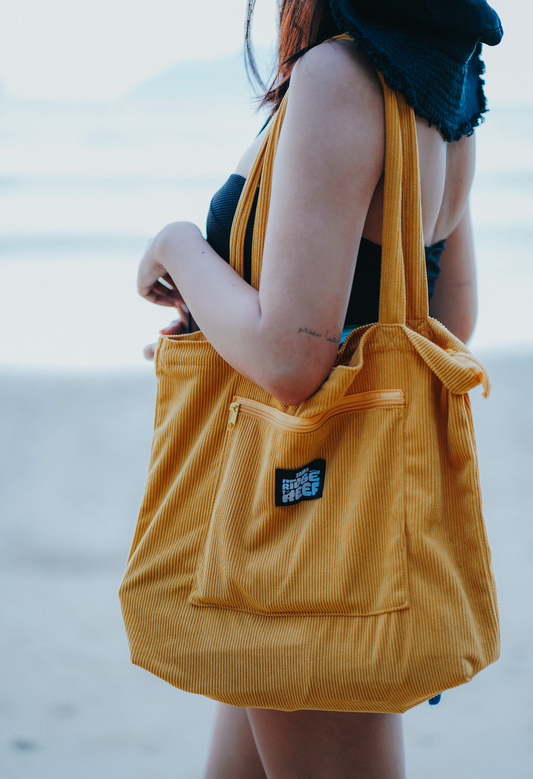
{"x":302,"y":25}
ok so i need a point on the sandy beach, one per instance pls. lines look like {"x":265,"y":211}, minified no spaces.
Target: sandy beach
{"x":74,"y":451}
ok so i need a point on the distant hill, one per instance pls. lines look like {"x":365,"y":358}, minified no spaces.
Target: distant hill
{"x":222,"y":78}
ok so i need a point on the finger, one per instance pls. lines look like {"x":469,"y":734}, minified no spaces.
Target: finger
{"x":165,"y":282}
{"x":156,"y":290}
{"x":171,"y":324}
{"x":160,"y":299}
{"x":167,"y":279}
{"x":165,"y":289}
{"x":149,"y":351}
{"x":174,"y":328}
{"x":183,"y":311}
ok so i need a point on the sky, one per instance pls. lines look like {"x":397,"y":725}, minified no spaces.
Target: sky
{"x":92,"y":50}
{"x":99,"y":49}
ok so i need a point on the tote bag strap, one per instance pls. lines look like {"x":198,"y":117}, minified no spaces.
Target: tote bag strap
{"x":392,"y":303}
{"x":261,"y":171}
{"x":403,"y":292}
{"x":412,"y":231}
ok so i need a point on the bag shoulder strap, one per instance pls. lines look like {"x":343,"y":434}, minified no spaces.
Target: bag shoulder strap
{"x":261,"y":171}
{"x":403,"y":291}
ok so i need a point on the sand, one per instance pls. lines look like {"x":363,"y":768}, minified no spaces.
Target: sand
{"x":74,"y":451}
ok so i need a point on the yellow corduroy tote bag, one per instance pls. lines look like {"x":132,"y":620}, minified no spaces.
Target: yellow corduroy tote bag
{"x":330,"y":555}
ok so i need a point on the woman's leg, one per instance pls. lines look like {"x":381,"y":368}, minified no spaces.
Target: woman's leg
{"x":328,"y":745}
{"x":233,"y":752}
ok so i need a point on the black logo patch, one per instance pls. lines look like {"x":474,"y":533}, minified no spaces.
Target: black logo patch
{"x":305,"y":483}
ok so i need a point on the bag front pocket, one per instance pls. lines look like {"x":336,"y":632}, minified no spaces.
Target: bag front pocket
{"x":308,"y":516}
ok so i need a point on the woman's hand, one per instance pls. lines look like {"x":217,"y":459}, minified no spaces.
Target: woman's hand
{"x":153,"y":280}
{"x":176,"y":327}
{"x":156,"y":285}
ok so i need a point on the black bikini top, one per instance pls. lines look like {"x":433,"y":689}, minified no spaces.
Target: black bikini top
{"x":363,"y":307}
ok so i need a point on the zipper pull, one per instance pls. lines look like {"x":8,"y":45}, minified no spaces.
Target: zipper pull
{"x":233,"y":411}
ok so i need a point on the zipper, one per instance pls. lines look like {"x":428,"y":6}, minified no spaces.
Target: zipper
{"x":292,"y":424}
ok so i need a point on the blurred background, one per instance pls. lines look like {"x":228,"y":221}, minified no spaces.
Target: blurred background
{"x":117,"y":117}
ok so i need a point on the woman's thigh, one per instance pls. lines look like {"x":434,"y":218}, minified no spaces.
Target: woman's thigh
{"x":328,"y":745}
{"x":233,"y":752}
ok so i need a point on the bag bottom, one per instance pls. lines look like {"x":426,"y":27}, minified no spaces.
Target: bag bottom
{"x":248,"y":668}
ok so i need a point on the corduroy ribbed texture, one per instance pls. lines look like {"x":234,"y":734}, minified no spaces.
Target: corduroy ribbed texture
{"x":374,"y":597}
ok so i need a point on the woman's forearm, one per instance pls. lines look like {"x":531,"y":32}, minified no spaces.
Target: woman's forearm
{"x":224,"y":306}
{"x":228,"y":311}
{"x":454,"y":302}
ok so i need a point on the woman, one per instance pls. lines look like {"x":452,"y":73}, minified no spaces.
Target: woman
{"x":327,"y":202}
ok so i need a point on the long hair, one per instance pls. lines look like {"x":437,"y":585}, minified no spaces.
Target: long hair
{"x":302,"y":25}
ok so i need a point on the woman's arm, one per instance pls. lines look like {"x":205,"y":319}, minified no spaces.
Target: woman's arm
{"x":454,"y":301}
{"x":330,"y":157}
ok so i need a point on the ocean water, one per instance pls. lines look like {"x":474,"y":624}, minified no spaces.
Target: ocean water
{"x":83,"y":187}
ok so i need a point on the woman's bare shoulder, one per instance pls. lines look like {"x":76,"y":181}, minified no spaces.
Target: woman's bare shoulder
{"x":335,"y":72}
{"x":336,"y":106}
{"x":333,"y":94}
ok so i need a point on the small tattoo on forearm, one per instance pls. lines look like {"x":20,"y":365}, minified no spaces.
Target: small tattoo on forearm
{"x":307,"y":330}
